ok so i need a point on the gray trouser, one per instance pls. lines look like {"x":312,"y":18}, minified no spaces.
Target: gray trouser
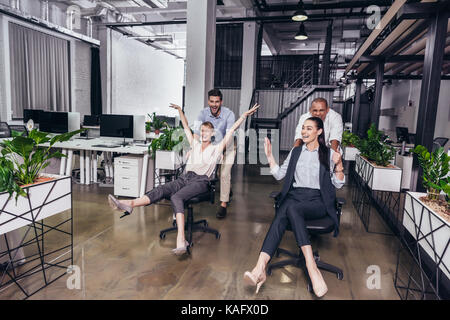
{"x":180,"y":190}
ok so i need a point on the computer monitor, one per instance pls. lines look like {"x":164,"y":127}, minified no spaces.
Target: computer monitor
{"x":54,"y":122}
{"x":31,"y":114}
{"x":402,"y":134}
{"x":91,"y":121}
{"x":171,"y":121}
{"x":115,"y":125}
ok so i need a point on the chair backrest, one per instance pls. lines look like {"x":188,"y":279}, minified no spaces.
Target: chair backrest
{"x":5,"y":131}
{"x":439,"y":142}
{"x":19,"y":128}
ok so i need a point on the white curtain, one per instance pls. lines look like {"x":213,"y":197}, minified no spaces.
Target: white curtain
{"x":39,"y":71}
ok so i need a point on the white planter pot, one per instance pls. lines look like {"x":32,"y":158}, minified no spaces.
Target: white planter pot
{"x":379,"y":178}
{"x":46,"y":199}
{"x":169,"y":160}
{"x":432,"y":231}
{"x":350,"y":153}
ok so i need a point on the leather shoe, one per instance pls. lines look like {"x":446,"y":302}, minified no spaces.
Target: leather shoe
{"x":222,"y":213}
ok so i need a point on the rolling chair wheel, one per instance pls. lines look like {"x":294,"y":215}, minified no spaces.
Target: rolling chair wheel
{"x":340,"y":276}
{"x":174,"y":223}
{"x":310,"y":289}
{"x":218,"y":236}
{"x":269,"y":272}
{"x":162,"y":235}
{"x":205,"y":224}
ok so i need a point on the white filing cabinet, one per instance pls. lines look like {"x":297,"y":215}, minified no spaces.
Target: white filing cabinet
{"x":127,"y":175}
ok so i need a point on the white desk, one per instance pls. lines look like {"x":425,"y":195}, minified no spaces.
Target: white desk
{"x":88,"y":158}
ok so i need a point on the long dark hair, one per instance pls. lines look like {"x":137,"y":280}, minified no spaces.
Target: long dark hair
{"x":324,"y":156}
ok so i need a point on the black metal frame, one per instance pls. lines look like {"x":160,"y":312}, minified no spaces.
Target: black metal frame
{"x":15,"y":271}
{"x":427,"y":281}
{"x":387,"y":203}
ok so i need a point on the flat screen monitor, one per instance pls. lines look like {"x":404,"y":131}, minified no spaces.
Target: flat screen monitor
{"x":171,"y":121}
{"x":54,"y":122}
{"x":91,"y":120}
{"x":31,"y":114}
{"x":115,"y":125}
{"x":402,"y":134}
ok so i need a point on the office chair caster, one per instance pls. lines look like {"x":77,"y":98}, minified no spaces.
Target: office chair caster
{"x":174,"y":223}
{"x":340,"y":275}
{"x":217,"y":235}
{"x":310,"y":288}
{"x":162,"y":236}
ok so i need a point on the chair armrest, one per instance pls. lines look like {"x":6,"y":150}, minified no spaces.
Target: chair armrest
{"x":274,"y":194}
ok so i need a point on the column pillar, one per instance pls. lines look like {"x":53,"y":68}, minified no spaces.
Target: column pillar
{"x":249,"y":56}
{"x":200,"y":55}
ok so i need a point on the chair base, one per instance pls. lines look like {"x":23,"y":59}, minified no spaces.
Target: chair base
{"x":298,"y":260}
{"x":190,"y":227}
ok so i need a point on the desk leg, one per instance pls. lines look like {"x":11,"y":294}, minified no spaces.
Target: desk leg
{"x":94,"y":166}
{"x":69,"y":163}
{"x":88,"y":167}
{"x":62,"y":166}
{"x":82,"y":173}
{"x":144,"y":175}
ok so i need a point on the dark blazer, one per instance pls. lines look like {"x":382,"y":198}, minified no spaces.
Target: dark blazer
{"x":327,"y":189}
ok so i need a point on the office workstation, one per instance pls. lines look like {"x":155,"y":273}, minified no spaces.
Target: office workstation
{"x":224,"y":150}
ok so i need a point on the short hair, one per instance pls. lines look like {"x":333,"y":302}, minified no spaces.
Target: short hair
{"x":215,"y":93}
{"x":208,"y":124}
{"x":320,"y":100}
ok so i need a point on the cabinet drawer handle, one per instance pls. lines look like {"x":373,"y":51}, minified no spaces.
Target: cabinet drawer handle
{"x":123,"y":188}
{"x":125,"y":178}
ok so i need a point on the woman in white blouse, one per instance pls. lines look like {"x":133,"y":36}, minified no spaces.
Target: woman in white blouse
{"x":312,"y":172}
{"x":200,"y":166}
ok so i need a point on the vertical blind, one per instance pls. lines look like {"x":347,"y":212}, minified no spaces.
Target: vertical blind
{"x":228,"y":62}
{"x":39,"y":71}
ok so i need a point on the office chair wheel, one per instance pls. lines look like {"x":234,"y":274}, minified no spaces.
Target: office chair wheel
{"x":205,"y":224}
{"x":309,"y":287}
{"x":174,"y":223}
{"x":340,"y":275}
{"x":217,"y":235}
{"x":269,"y":271}
{"x":162,"y":235}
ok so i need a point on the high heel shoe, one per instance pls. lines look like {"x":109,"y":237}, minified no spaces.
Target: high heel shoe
{"x":251,"y":280}
{"x":181,"y":250}
{"x":117,"y":205}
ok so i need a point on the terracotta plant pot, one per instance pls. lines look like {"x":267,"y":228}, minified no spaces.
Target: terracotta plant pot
{"x":157,"y":131}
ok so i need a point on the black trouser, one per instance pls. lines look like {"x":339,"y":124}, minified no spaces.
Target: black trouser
{"x":300,"y":204}
{"x":187,"y":186}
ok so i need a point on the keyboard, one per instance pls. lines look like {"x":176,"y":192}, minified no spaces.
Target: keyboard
{"x":105,"y":146}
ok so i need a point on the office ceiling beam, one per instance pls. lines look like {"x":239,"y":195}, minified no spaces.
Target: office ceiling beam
{"x":422,"y":10}
{"x":264,"y":7}
{"x":400,"y":58}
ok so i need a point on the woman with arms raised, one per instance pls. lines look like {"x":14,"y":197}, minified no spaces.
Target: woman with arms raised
{"x":312,"y":172}
{"x":200,"y":166}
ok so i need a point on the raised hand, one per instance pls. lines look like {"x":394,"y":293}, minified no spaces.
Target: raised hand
{"x":251,"y":111}
{"x":175,"y":106}
{"x":267,"y":148}
{"x":336,"y":157}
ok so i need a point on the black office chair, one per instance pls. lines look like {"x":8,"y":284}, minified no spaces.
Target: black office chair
{"x":19,"y":128}
{"x":315,"y":227}
{"x":5,"y":131}
{"x":191,"y":225}
{"x":439,"y":142}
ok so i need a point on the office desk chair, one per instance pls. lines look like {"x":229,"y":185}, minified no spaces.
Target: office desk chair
{"x":314,"y":227}
{"x":19,"y":128}
{"x":200,"y":225}
{"x":5,"y":131}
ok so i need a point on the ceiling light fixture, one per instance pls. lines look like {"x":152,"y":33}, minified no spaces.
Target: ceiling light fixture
{"x":301,"y":34}
{"x":300,"y":14}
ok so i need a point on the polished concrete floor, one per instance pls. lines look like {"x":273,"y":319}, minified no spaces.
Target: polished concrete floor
{"x":125,"y":259}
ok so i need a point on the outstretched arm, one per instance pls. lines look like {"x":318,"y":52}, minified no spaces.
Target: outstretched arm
{"x":236,"y":125}
{"x":184,"y":121}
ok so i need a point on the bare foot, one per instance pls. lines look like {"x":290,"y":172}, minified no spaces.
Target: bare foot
{"x":319,"y":286}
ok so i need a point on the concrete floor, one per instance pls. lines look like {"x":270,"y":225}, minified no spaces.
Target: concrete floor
{"x":125,"y":259}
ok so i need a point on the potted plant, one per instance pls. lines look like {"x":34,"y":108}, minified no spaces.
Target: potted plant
{"x":21,"y":161}
{"x":155,"y":123}
{"x":167,"y":148}
{"x":426,"y":216}
{"x":350,"y":142}
{"x":373,"y":164}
